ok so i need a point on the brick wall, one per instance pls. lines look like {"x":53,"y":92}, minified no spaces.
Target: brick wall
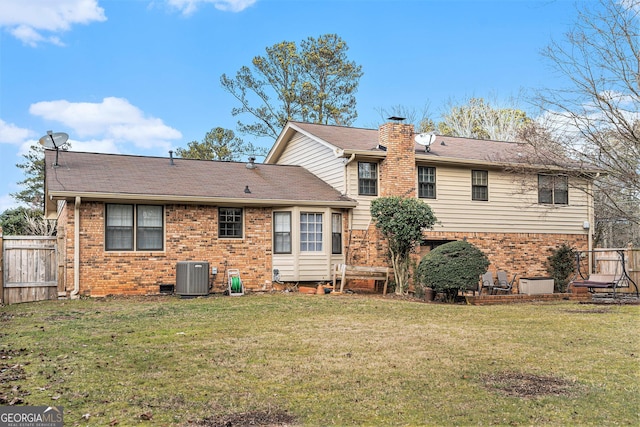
{"x":398,"y":169}
{"x":191,"y":235}
{"x":524,"y":254}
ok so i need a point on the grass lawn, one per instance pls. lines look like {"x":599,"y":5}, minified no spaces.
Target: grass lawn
{"x":322,"y":360}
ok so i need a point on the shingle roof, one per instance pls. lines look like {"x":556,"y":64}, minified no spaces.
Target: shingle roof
{"x":113,"y":174}
{"x":358,"y":139}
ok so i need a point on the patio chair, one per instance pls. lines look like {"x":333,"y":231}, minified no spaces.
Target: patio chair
{"x":488,"y":283}
{"x":504,"y":285}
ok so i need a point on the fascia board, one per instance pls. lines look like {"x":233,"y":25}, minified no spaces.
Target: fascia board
{"x":200,"y":200}
{"x":285,"y":137}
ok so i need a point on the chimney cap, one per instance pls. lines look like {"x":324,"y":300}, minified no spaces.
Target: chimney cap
{"x":396,"y":118}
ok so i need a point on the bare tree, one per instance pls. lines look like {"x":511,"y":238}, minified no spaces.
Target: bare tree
{"x":480,"y":119}
{"x":421,"y":120}
{"x":39,"y":226}
{"x":596,"y":117}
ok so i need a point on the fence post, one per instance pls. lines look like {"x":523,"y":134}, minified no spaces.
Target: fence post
{"x":60,"y":264}
{"x":634,"y":264}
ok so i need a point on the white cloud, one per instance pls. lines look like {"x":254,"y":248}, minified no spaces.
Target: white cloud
{"x":38,"y":21}
{"x":95,"y":146}
{"x":12,"y":134}
{"x":114,"y":121}
{"x":7,"y":202}
{"x":187,"y":7}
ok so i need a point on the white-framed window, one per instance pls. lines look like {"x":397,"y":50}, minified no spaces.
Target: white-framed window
{"x":230,"y":223}
{"x":426,"y":182}
{"x":310,"y":232}
{"x":336,"y":233}
{"x":367,"y":179}
{"x":134,"y":226}
{"x":282,"y":232}
{"x":149,"y":230}
{"x":479,"y":185}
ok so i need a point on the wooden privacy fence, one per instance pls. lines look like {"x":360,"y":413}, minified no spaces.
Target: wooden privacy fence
{"x":29,"y":268}
{"x":607,"y":261}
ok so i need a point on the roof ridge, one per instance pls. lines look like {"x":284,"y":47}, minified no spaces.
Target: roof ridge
{"x":144,"y":156}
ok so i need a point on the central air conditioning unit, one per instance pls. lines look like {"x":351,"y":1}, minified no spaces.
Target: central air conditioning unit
{"x":192,"y":278}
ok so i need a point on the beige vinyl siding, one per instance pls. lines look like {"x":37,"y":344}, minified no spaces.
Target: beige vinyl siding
{"x":313,"y":266}
{"x":316,"y":158}
{"x":286,"y":264}
{"x":512,"y":205}
{"x":307,"y":266}
{"x":361,"y":216}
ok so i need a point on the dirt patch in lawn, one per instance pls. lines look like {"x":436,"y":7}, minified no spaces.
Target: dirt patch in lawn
{"x":517,"y":384}
{"x":599,"y":310}
{"x":252,"y":418}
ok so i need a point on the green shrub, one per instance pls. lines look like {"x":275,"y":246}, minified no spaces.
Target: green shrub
{"x":452,"y":267}
{"x":561,"y":265}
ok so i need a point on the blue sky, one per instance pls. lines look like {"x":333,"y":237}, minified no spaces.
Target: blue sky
{"x":143,"y":76}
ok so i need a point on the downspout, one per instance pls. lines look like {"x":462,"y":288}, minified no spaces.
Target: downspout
{"x":76,"y":248}
{"x":350,"y":211}
{"x":591,"y":225}
{"x":351,"y":159}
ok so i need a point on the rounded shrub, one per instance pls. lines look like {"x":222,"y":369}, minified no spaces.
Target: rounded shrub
{"x":452,"y":267}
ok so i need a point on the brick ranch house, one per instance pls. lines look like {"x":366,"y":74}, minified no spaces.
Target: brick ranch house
{"x":128,"y":220}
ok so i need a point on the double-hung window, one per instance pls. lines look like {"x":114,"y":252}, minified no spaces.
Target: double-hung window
{"x":553,"y":189}
{"x":426,"y":182}
{"x":149,"y":232}
{"x":129,"y":226}
{"x":367,"y":179}
{"x":282,"y":232}
{"x":310,"y":232}
{"x":479,"y":185}
{"x":336,"y":233}
{"x":230,"y":223}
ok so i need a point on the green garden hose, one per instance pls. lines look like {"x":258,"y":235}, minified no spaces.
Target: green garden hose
{"x":235,"y":285}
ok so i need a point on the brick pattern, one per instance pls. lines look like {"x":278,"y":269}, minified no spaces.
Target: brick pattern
{"x":398,"y":169}
{"x":366,"y":247}
{"x":523,"y":254}
{"x":191,"y":235}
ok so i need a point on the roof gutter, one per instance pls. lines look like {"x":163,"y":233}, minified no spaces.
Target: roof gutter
{"x":430,"y":158}
{"x":202,"y":200}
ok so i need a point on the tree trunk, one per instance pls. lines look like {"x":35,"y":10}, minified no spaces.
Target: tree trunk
{"x":400,"y":270}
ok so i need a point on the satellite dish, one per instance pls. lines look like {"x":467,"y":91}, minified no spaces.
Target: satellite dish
{"x":425,"y":139}
{"x":54,"y":141}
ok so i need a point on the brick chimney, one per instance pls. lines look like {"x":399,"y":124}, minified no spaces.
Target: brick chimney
{"x":398,"y":170}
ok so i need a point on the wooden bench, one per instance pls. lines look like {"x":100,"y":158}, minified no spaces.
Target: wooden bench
{"x":344,"y":272}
